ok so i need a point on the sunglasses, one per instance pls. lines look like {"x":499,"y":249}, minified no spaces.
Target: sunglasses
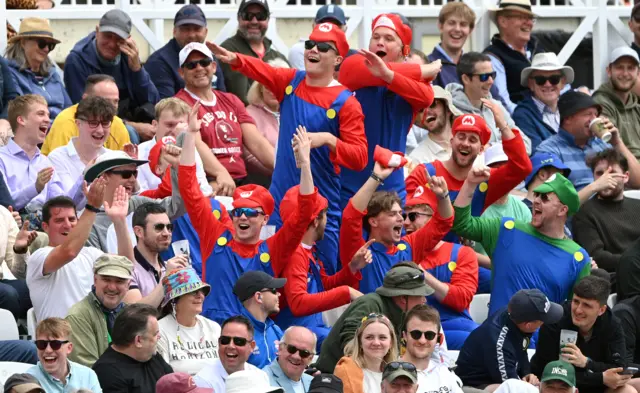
{"x":485,"y":77}
{"x":237,"y":341}
{"x":272,"y":290}
{"x":260,"y":16}
{"x":161,"y":227}
{"x":394,"y":366}
{"x":126,"y":174}
{"x":372,"y":315}
{"x":429,"y":334}
{"x":543,"y":197}
{"x":204,"y":63}
{"x":323,"y":47}
{"x":541,"y":80}
{"x":303,"y":352}
{"x":247,"y":211}
{"x":413,"y":215}
{"x":96,"y":123}
{"x":46,"y":44}
{"x":55,"y":344}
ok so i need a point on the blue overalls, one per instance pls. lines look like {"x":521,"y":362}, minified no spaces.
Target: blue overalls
{"x":293,"y":113}
{"x":456,"y":326}
{"x":373,"y":273}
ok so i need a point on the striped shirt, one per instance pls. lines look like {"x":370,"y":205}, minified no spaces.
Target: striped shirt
{"x":549,"y":117}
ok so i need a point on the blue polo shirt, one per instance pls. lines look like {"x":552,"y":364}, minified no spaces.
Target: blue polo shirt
{"x":79,"y":377}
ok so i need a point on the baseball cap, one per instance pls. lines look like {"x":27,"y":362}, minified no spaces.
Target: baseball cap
{"x":543,"y":160}
{"x":193,"y":46}
{"x":117,"y":22}
{"x":289,"y":204}
{"x":245,"y":3}
{"x":113,"y":266}
{"x":564,"y":189}
{"x":573,"y":101}
{"x":107,"y":161}
{"x":395,"y":23}
{"x":495,"y":154}
{"x":330,"y":12}
{"x":22,"y":383}
{"x":623,"y":51}
{"x":559,"y":370}
{"x":253,"y":195}
{"x":190,"y":14}
{"x":529,"y":305}
{"x":472,"y":123}
{"x":395,"y":370}
{"x":254,"y":281}
{"x":179,"y":383}
{"x":326,"y":383}
{"x":404,"y":279}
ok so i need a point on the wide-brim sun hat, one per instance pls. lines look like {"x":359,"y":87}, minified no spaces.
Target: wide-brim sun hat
{"x":34,"y":28}
{"x":107,"y":161}
{"x":180,"y":282}
{"x":546,"y":62}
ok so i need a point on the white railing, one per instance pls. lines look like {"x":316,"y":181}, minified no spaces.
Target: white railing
{"x":148,"y":17}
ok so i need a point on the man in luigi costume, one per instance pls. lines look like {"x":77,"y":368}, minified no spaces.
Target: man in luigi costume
{"x":524,"y":255}
{"x":403,"y":288}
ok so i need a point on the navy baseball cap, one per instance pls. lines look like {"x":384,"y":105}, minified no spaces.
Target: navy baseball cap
{"x":190,"y":14}
{"x":529,"y":305}
{"x":330,"y":12}
{"x":542,"y":160}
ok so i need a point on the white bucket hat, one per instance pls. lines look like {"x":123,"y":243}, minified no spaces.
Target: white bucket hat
{"x":441,"y":94}
{"x":547,"y":61}
{"x":250,"y":381}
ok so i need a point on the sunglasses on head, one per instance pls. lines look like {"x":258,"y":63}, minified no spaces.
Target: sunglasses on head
{"x":96,"y":123}
{"x":323,"y":47}
{"x":161,"y":227}
{"x":541,"y":80}
{"x":237,"y":341}
{"x":46,"y":44}
{"x":260,"y":16}
{"x":485,"y":77}
{"x":247,"y":211}
{"x":55,"y":344}
{"x":413,"y":215}
{"x":543,"y":197}
{"x":204,"y":63}
{"x":126,"y":174}
{"x":429,"y":334}
{"x":372,"y":315}
{"x":303,"y":352}
{"x":394,"y":366}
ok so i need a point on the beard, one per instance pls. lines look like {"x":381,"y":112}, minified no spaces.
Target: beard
{"x":244,"y":31}
{"x":620,"y":87}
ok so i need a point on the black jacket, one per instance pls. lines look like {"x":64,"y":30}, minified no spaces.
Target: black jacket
{"x":606,"y":349}
{"x":628,"y":312}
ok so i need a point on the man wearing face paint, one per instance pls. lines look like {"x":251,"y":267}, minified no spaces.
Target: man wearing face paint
{"x":333,"y":118}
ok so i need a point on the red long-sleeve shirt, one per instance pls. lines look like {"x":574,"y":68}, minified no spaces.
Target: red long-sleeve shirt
{"x":351,"y":147}
{"x":210,"y":226}
{"x":336,"y":287}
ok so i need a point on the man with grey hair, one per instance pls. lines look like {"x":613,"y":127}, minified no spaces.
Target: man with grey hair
{"x":295,"y":352}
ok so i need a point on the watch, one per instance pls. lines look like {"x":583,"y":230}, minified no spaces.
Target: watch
{"x":92,"y":208}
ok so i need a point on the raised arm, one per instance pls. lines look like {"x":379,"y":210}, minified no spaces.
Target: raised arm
{"x":117,"y":212}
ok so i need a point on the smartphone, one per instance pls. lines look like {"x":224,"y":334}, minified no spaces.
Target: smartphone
{"x":630,"y":371}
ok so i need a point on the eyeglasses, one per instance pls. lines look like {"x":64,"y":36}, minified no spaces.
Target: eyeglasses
{"x":541,"y":80}
{"x":485,"y":77}
{"x":247,"y":211}
{"x":260,"y":16}
{"x":543,"y":197}
{"x":161,"y":227}
{"x":126,"y":174}
{"x":323,"y":47}
{"x":204,"y":63}
{"x":303,"y":352}
{"x":46,"y":44}
{"x":237,"y":341}
{"x":429,"y":334}
{"x":272,"y":290}
{"x":522,"y":17}
{"x":96,"y":123}
{"x":393,"y":366}
{"x":413,"y":215}
{"x":55,"y":344}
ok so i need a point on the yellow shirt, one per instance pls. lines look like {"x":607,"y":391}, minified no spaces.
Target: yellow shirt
{"x":64,"y":128}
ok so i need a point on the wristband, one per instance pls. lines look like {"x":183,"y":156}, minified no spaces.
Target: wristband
{"x":445,"y":196}
{"x":376,"y":178}
{"x":92,"y":208}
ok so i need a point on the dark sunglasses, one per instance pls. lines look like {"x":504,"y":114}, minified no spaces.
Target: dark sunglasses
{"x":55,"y":344}
{"x":413,"y":215}
{"x":126,"y":174}
{"x":394,"y":366}
{"x":161,"y":227}
{"x":303,"y":352}
{"x":260,"y":16}
{"x":96,"y":123}
{"x":204,"y":63}
{"x":46,"y":44}
{"x":543,"y":197}
{"x":323,"y":47}
{"x":485,"y":77}
{"x":429,"y":334}
{"x":272,"y":290}
{"x":247,"y":211}
{"x":237,"y":341}
{"x":541,"y":80}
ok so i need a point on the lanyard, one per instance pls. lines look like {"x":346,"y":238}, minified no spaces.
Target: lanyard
{"x":106,"y":319}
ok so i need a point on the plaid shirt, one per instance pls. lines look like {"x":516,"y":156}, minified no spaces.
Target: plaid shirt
{"x":563,"y":145}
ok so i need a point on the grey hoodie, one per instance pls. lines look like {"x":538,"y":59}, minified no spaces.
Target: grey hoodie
{"x":461,"y":101}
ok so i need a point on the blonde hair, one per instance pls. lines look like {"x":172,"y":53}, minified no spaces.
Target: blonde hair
{"x":457,"y":9}
{"x":175,"y":105}
{"x":254,"y":96}
{"x":21,"y":106}
{"x":354,"y":350}
{"x":54,"y":327}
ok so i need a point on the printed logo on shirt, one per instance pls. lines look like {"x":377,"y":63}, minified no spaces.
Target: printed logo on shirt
{"x":325,"y":27}
{"x":223,"y":132}
{"x":469,"y":120}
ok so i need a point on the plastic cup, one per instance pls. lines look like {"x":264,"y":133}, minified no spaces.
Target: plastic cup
{"x":567,"y":337}
{"x":181,"y":247}
{"x":598,"y":129}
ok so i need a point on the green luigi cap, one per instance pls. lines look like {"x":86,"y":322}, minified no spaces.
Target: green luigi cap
{"x":562,"y":187}
{"x":404,"y":279}
{"x":559,"y":370}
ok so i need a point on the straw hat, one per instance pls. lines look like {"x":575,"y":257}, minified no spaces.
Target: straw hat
{"x":34,"y":28}
{"x":523,"y":6}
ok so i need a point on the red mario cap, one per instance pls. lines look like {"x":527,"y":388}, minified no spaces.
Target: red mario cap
{"x":472,"y":123}
{"x":253,"y":195}
{"x":325,"y":32}
{"x":289,"y":204}
{"x":394,"y":22}
{"x":388,"y":158}
{"x":423,"y":196}
{"x":154,"y":154}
